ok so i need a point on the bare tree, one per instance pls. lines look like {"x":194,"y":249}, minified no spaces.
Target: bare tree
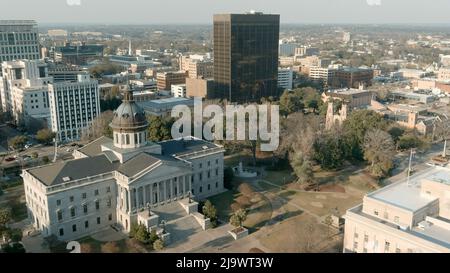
{"x":99,"y":127}
{"x":379,"y":150}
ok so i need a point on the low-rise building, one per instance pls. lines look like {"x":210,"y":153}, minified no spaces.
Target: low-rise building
{"x":178,"y":90}
{"x":166,"y":79}
{"x":163,"y":107}
{"x":410,"y":216}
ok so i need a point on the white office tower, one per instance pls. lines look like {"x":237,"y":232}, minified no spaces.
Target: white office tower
{"x":24,"y":90}
{"x":18,"y":40}
{"x":285,"y":78}
{"x":73,"y":106}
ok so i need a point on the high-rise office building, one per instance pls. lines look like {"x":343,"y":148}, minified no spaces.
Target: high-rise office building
{"x":73,"y":106}
{"x":18,"y":40}
{"x":246,"y":56}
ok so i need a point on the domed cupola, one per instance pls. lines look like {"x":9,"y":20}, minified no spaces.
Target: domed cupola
{"x":129,"y":124}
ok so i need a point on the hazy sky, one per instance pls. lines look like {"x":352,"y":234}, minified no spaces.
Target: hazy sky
{"x":201,"y":11}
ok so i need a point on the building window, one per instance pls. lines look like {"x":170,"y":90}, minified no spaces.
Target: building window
{"x":366,"y":238}
{"x":86,"y":224}
{"x":84,"y":195}
{"x":217,"y":185}
{"x":355,"y":246}
{"x":74,"y":228}
{"x":127,"y":139}
{"x":375,"y":212}
{"x":386,"y":246}
{"x":85,"y":208}
{"x":60,"y":215}
{"x":71,"y":199}
{"x":58,"y":202}
{"x":200,"y":190}
{"x":386,"y":215}
{"x":110,"y":217}
{"x":108,"y":202}
{"x":97,"y":205}
{"x":217,"y":161}
{"x":356,"y":235}
{"x":108,"y":189}
{"x":209,"y":163}
{"x":200,"y":176}
{"x":396,"y":219}
{"x":209,"y":174}
{"x":398,"y":250}
{"x":98,"y":220}
{"x":200,"y":165}
{"x":209,"y":187}
{"x":96,"y":192}
{"x":61,"y":232}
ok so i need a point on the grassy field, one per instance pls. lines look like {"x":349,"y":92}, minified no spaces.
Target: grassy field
{"x":301,"y":233}
{"x":14,"y":197}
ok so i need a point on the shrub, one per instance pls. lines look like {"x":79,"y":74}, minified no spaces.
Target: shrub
{"x":158,"y":245}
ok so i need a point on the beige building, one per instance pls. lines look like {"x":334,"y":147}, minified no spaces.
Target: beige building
{"x":410,"y":216}
{"x":444,"y":74}
{"x":166,"y":79}
{"x":199,"y":88}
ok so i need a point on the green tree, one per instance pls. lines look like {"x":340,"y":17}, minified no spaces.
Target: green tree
{"x":379,"y":151}
{"x":142,"y":234}
{"x":159,"y":128}
{"x":45,"y":159}
{"x":238,"y":218}
{"x":290,"y":102}
{"x":302,"y":168}
{"x":356,"y":127}
{"x":45,"y":136}
{"x":396,"y":133}
{"x":17,"y":142}
{"x":153,"y":236}
{"x":330,"y":150}
{"x":5,"y":216}
{"x":210,"y":211}
{"x":409,"y":141}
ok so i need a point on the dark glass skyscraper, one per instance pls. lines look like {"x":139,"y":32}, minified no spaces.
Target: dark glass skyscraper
{"x":246,"y":56}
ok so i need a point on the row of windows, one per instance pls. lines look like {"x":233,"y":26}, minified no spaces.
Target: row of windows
{"x":83,"y":195}
{"x":19,"y":36}
{"x":200,"y":165}
{"x":19,"y":57}
{"x":208,"y":188}
{"x":86,"y":225}
{"x":19,"y":50}
{"x":73,"y":209}
{"x":208,"y":173}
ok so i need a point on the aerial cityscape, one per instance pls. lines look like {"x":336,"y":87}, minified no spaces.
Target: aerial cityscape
{"x":224,"y":129}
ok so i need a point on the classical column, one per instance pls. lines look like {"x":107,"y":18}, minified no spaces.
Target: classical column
{"x":171,"y":189}
{"x":127,"y":200}
{"x":165,"y":190}
{"x":151,"y":194}
{"x":158,"y":193}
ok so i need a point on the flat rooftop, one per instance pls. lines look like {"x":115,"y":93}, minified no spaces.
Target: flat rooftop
{"x":407,"y":195}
